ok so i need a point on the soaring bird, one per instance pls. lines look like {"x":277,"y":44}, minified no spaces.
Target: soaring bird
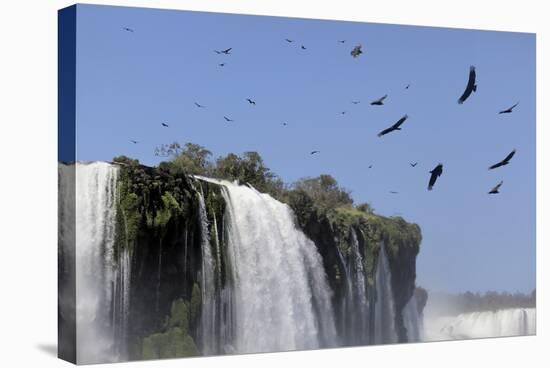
{"x":496,"y":188}
{"x":395,"y":126}
{"x":128,"y":29}
{"x":413,"y":164}
{"x":504,"y":162}
{"x":508,"y":110}
{"x":314,"y":152}
{"x":251,"y":102}
{"x":288,"y":40}
{"x":470,"y":87}
{"x":393,"y":192}
{"x":380,"y":101}
{"x":285,"y":123}
{"x":226,"y":51}
{"x":342,"y":113}
{"x":407,"y":86}
{"x":227,"y":119}
{"x":356,"y":51}
{"x":199,"y":105}
{"x":221,"y":64}
{"x":342,"y":41}
{"x":303,"y":47}
{"x":436,"y":172}
{"x":370,"y":166}
{"x":164,"y":125}
{"x":134,"y":142}
{"x":355,"y":102}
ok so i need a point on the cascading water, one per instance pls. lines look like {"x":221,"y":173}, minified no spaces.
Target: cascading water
{"x":384,"y":310}
{"x":102,"y":282}
{"x":280,"y":296}
{"x":413,"y":320}
{"x":505,"y":322}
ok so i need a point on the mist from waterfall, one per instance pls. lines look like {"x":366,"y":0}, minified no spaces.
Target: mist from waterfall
{"x":413,"y":321}
{"x":102,"y":282}
{"x":281,"y":297}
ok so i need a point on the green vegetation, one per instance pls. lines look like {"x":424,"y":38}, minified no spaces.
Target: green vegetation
{"x":173,"y":341}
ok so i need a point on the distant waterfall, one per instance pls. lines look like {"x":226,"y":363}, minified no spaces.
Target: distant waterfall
{"x":505,"y":322}
{"x":413,"y":321}
{"x":281,"y":297}
{"x":384,"y":309}
{"x":102,"y":287}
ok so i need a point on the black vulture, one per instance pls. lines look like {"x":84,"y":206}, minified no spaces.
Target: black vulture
{"x":355,"y":102}
{"x":380,"y":101}
{"x":342,"y":113}
{"x":303,"y":47}
{"x":164,"y":125}
{"x":356,"y":51}
{"x":314,"y":152}
{"x":413,"y":164}
{"x":226,"y":51}
{"x":370,"y":166}
{"x":134,"y":142}
{"x":227,"y":119}
{"x":435,"y":173}
{"x":393,"y":192}
{"x":342,"y":41}
{"x":251,"y":102}
{"x":128,"y":29}
{"x":285,"y":123}
{"x":508,"y":110}
{"x":221,"y":64}
{"x":395,"y":126}
{"x":496,"y":188}
{"x":199,"y":105}
{"x":504,"y":162}
{"x":407,"y":86}
{"x":288,"y":40}
{"x":470,"y":87}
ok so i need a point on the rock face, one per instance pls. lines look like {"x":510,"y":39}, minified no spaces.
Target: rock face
{"x":181,"y":304}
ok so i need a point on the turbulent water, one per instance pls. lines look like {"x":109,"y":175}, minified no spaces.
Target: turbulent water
{"x":281,"y":295}
{"x":384,"y":308}
{"x":102,"y":282}
{"x":505,"y":322}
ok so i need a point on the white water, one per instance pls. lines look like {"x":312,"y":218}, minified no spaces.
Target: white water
{"x":413,"y":321}
{"x":384,"y":310}
{"x":505,"y":322}
{"x":102,"y":289}
{"x":281,"y":298}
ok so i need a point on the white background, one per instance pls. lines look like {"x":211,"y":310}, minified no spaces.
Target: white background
{"x":28,"y":180}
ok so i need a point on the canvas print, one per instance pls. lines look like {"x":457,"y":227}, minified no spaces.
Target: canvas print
{"x":234,"y":184}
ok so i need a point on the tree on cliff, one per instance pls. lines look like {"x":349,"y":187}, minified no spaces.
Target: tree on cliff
{"x":189,"y":159}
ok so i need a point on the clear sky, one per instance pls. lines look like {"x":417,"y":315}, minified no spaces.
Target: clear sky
{"x":128,"y":83}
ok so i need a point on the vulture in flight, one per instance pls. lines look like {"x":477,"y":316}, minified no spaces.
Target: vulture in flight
{"x":285,"y":123}
{"x":314,"y":152}
{"x":393,"y":192}
{"x":436,"y":172}
{"x":251,"y":101}
{"x":470,"y":87}
{"x":134,"y":142}
{"x":355,"y":102}
{"x":128,"y":29}
{"x":342,"y":41}
{"x":504,"y":162}
{"x":395,"y":126}
{"x":164,"y":125}
{"x":226,"y":51}
{"x":509,"y":110}
{"x":380,"y":101}
{"x":303,"y":47}
{"x":370,"y":166}
{"x":221,"y":64}
{"x":288,"y":40}
{"x":407,"y":86}
{"x":496,"y":188}
{"x":227,"y":119}
{"x":199,"y":105}
{"x":356,"y":51}
{"x":413,"y":164}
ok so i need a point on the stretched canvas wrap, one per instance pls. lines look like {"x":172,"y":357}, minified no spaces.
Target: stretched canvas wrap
{"x":234,"y":184}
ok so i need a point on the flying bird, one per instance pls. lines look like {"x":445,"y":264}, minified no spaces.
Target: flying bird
{"x":407,"y":86}
{"x":164,"y":125}
{"x":496,"y":188}
{"x":395,"y":126}
{"x":470,"y":87}
{"x":199,"y":105}
{"x":128,"y":29}
{"x":508,"y":110}
{"x":226,"y":51}
{"x":342,"y":112}
{"x":436,"y":172}
{"x":342,"y":41}
{"x":355,"y":102}
{"x":370,"y":166}
{"x":227,"y":119}
{"x":380,"y":101}
{"x":303,"y":47}
{"x":134,"y":142}
{"x":221,"y":64}
{"x":356,"y":51}
{"x":251,"y":102}
{"x":413,"y":164}
{"x":504,"y":162}
{"x":288,"y":40}
{"x":285,"y":124}
{"x":314,"y":152}
{"x":393,"y":192}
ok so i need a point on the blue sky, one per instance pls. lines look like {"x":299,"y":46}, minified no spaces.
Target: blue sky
{"x":128,"y":83}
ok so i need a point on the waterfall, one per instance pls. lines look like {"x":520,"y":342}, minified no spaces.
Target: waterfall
{"x":208,"y":287}
{"x":504,"y":322}
{"x":102,"y":275}
{"x":384,"y":310}
{"x":280,"y":297}
{"x":413,"y":321}
{"x":356,"y":304}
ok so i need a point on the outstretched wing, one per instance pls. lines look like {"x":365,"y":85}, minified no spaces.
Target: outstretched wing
{"x":470,"y":87}
{"x":382,"y":98}
{"x":386,"y":131}
{"x":509,"y":157}
{"x":399,"y":122}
